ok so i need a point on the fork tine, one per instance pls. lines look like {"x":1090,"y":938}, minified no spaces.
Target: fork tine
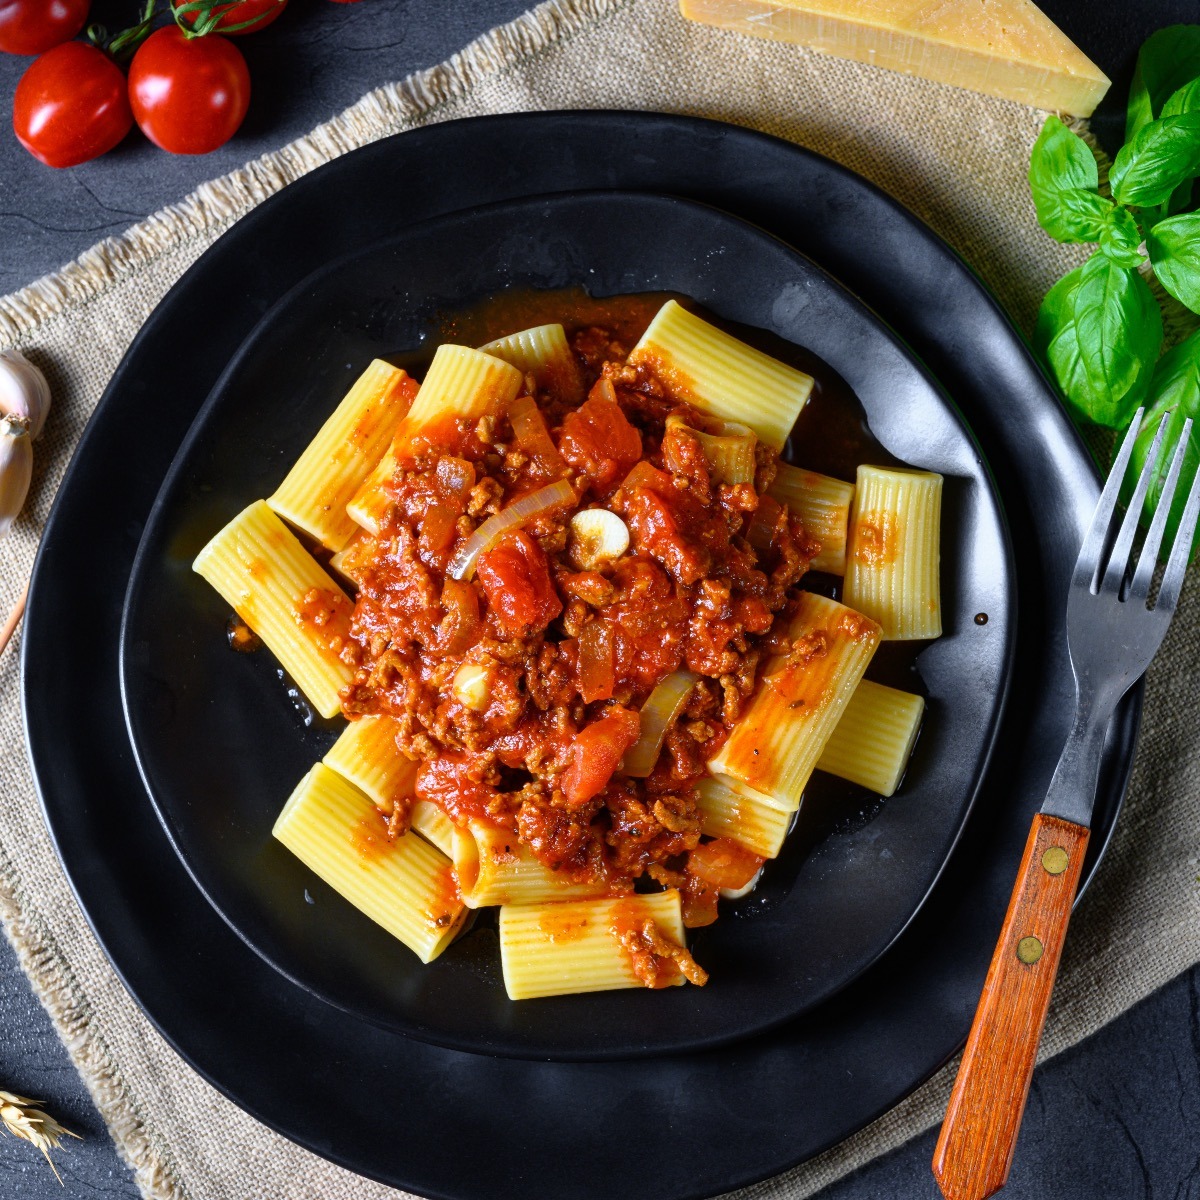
{"x":1118,"y":561}
{"x":1140,"y":587}
{"x":1181,"y":551}
{"x":1087,"y":566}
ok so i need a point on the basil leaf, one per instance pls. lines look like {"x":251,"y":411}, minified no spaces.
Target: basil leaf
{"x":1063,"y":178}
{"x":1174,"y":389}
{"x":1056,"y":343}
{"x":1161,"y":156}
{"x":1174,"y":246}
{"x":1185,"y":100}
{"x":1120,"y":238}
{"x":1102,"y":358}
{"x":1167,"y":60}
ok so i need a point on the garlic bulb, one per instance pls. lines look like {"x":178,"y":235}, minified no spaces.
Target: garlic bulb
{"x":24,"y":391}
{"x":16,"y":468}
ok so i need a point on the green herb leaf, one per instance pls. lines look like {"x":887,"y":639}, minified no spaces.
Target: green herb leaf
{"x":1167,"y":60}
{"x":1120,"y":237}
{"x":1099,"y":332}
{"x":1185,"y":100}
{"x":1174,"y":246}
{"x":1174,"y":389}
{"x":1161,"y":156}
{"x":1063,"y":179}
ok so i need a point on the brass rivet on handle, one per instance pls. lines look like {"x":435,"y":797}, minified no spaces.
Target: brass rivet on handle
{"x":1029,"y":950}
{"x":1055,"y":860}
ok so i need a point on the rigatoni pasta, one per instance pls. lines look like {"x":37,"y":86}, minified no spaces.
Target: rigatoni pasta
{"x":337,"y":462}
{"x":893,"y":558}
{"x":544,"y":353}
{"x":586,"y":945}
{"x":279,"y":590}
{"x":822,"y":504}
{"x":586,"y":681}
{"x":495,"y":867}
{"x":874,"y":739}
{"x":405,"y":885}
{"x":721,"y":376}
{"x":775,"y":745}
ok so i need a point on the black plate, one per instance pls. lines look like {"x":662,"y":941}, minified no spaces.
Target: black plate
{"x":704,"y":1123}
{"x":219,"y":744}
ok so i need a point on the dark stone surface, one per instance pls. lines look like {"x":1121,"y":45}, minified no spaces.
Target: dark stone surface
{"x":1118,"y":1117}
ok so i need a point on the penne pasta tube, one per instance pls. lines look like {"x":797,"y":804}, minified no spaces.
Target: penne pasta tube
{"x":493,"y":867}
{"x":714,"y":372}
{"x":823,"y":506}
{"x":461,"y":385}
{"x":775,"y":745}
{"x":367,"y":756}
{"x":582,"y":945}
{"x":893,"y":559}
{"x":758,"y":825}
{"x":544,"y":353}
{"x":314,"y":493}
{"x":873,"y":741}
{"x":257,"y":564}
{"x":406,"y":885}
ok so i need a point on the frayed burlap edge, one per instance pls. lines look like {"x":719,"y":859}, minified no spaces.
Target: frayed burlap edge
{"x":222,"y":201}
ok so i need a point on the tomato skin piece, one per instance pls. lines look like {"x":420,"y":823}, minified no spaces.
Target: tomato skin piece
{"x":188,"y":96}
{"x":71,"y":105}
{"x":598,"y":440}
{"x":35,"y":26}
{"x":237,"y":11}
{"x":596,"y":753}
{"x":516,"y":579}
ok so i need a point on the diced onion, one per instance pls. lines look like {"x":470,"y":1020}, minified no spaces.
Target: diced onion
{"x":530,"y":433}
{"x":472,"y":686}
{"x":597,"y":669}
{"x":660,"y":710}
{"x":517,"y":514}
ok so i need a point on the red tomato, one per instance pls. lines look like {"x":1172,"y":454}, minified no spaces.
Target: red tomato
{"x":596,"y":753}
{"x":34,"y":26}
{"x":261,"y":12}
{"x":598,"y":440}
{"x":71,"y":105}
{"x":516,"y":580}
{"x":188,"y":95}
{"x":724,"y":863}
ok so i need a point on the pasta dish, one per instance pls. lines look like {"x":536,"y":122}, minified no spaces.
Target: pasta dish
{"x":580,"y":618}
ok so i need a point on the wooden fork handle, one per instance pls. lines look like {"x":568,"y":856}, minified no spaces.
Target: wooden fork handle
{"x":975,"y":1149}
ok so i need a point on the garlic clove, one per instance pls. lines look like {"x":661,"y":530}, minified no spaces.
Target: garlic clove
{"x":24,"y":391}
{"x":472,"y":686}
{"x":597,"y":536}
{"x":16,"y":468}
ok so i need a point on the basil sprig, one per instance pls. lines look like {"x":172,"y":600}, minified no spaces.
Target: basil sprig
{"x":1100,"y":330}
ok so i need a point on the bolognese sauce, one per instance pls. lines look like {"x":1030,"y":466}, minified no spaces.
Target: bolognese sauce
{"x":521,"y":684}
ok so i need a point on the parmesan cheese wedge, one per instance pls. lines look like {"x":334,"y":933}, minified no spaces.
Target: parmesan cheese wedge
{"x":1005,"y":48}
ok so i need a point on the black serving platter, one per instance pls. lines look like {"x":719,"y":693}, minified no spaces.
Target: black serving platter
{"x":220,"y":744}
{"x":706,"y":1122}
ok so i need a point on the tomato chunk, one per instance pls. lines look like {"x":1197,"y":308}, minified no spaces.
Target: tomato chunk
{"x":596,"y":753}
{"x":723,"y":863}
{"x":598,"y":440}
{"x":516,"y":580}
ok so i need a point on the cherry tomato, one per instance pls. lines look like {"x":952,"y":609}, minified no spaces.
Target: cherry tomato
{"x":189,"y":95}
{"x":34,"y":26}
{"x":71,"y":105}
{"x":261,"y":12}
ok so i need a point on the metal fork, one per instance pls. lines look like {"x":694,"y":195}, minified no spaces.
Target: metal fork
{"x":1112,"y":632}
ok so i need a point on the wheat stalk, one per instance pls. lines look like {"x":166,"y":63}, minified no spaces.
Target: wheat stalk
{"x":22,"y":1118}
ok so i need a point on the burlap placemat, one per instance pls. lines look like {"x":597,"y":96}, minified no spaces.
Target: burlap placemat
{"x":956,"y":159}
